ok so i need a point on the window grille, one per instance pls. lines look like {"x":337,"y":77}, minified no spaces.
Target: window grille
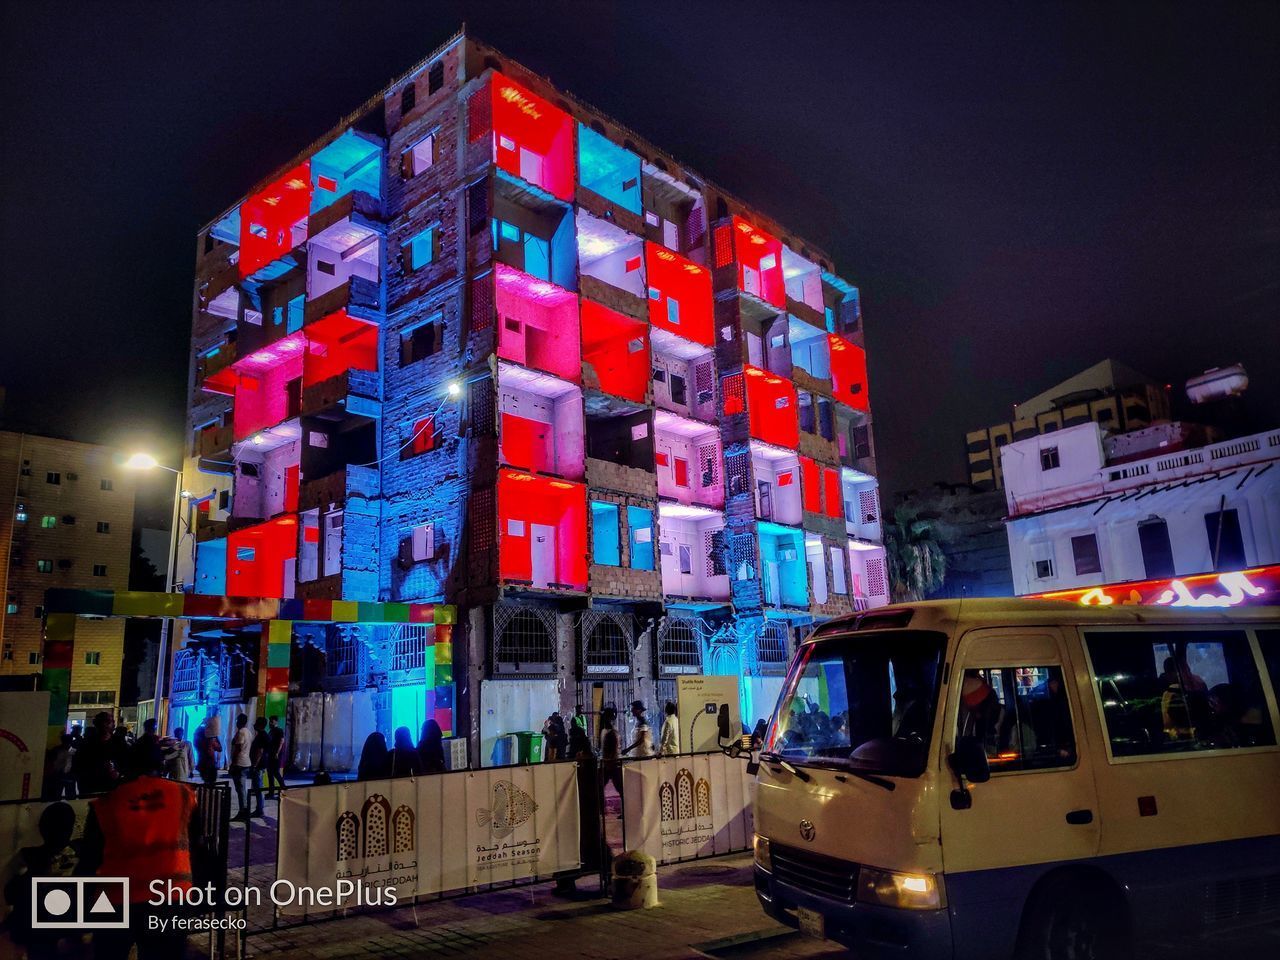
{"x":481,"y":401}
{"x":771,"y":647}
{"x":737,"y":472}
{"x":478,"y":207}
{"x":713,"y":544}
{"x":524,"y":639}
{"x":868,"y":506}
{"x":742,"y":556}
{"x":479,"y":115}
{"x":606,"y":642}
{"x":724,"y":245}
{"x":735,"y":400}
{"x":679,"y":647}
{"x":695,"y":228}
{"x":877,"y":583}
{"x":703,"y":381}
{"x":408,"y":646}
{"x":482,"y":307}
{"x":342,"y":650}
{"x":483,"y":520}
{"x":709,"y":461}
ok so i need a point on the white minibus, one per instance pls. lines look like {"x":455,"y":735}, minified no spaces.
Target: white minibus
{"x":1020,"y":778}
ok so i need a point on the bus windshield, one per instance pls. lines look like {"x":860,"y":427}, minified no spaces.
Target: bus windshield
{"x":863,"y":702}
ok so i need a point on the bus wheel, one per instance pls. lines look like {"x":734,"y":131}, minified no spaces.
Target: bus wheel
{"x":1068,"y":922}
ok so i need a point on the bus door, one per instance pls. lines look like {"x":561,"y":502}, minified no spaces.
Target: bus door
{"x":1012,"y":689}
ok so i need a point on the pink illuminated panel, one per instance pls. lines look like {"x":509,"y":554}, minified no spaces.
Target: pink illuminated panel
{"x":537,"y":324}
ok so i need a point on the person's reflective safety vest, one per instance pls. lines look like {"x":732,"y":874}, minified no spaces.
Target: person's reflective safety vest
{"x":144,"y":829}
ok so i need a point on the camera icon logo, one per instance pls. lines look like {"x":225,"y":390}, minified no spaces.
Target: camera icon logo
{"x":79,"y":903}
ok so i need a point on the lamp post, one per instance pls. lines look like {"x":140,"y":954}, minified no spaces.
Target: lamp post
{"x":144,"y":461}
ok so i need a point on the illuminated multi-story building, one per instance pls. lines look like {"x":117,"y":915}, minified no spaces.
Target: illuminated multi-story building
{"x":68,"y":524}
{"x":482,"y":346}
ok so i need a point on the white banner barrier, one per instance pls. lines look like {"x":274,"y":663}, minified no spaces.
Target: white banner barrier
{"x":428,"y":835}
{"x":678,"y":808}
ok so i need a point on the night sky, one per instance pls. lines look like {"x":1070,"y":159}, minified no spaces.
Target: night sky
{"x":1019,"y":191}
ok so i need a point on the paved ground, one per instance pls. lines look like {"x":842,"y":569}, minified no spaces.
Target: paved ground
{"x":708,"y":909}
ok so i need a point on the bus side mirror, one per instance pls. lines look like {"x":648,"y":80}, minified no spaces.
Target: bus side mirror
{"x":969,"y":760}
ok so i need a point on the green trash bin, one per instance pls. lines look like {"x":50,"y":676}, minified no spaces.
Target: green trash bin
{"x":532,"y":747}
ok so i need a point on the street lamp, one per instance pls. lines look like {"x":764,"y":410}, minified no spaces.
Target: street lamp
{"x":145,"y":461}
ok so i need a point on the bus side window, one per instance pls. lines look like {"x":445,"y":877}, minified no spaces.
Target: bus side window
{"x":1269,"y":641}
{"x":1178,"y":691}
{"x":1021,"y":714}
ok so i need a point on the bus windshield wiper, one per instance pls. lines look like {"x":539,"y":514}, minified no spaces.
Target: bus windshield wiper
{"x":870,"y":778}
{"x":794,"y":771}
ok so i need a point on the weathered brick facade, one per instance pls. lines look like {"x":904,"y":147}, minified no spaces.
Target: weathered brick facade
{"x":460,"y":219}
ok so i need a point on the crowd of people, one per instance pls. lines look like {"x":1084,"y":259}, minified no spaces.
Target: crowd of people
{"x":93,"y":761}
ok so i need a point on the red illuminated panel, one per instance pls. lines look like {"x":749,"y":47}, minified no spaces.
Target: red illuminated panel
{"x":1257,"y":585}
{"x":542,"y":531}
{"x":833,"y":502}
{"x":292,"y":475}
{"x":617,"y":348}
{"x":527,"y":443}
{"x":268,"y":218}
{"x":256,"y":558}
{"x":532,"y":139}
{"x":849,"y":372}
{"x":759,"y":263}
{"x":811,"y":485}
{"x":336,"y":344}
{"x":424,"y":437}
{"x":679,"y":295}
{"x":771,"y":408}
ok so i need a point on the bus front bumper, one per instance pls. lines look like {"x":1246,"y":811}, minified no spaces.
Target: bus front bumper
{"x":867,"y":929}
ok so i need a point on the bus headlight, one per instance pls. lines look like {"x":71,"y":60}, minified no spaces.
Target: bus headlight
{"x":907,"y":891}
{"x":760,"y":852}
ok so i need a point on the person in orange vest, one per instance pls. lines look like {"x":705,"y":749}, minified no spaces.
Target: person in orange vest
{"x":142,"y":830}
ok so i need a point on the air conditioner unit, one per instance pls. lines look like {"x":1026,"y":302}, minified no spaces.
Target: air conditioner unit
{"x":73,"y":476}
{"x":424,"y":541}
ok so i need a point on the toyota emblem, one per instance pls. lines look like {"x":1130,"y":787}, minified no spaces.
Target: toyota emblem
{"x":806,"y":830}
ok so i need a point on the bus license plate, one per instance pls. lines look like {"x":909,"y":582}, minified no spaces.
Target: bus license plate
{"x":812,"y":923}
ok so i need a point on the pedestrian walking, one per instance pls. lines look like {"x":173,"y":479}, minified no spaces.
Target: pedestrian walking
{"x":208,"y":749}
{"x":258,"y":749}
{"x":179,"y":757}
{"x":275,"y":759}
{"x":92,"y":765}
{"x":610,"y":761}
{"x":241,"y":763}
{"x":642,"y":746}
{"x":62,"y":769}
{"x":669,"y":742}
{"x":147,"y":747}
